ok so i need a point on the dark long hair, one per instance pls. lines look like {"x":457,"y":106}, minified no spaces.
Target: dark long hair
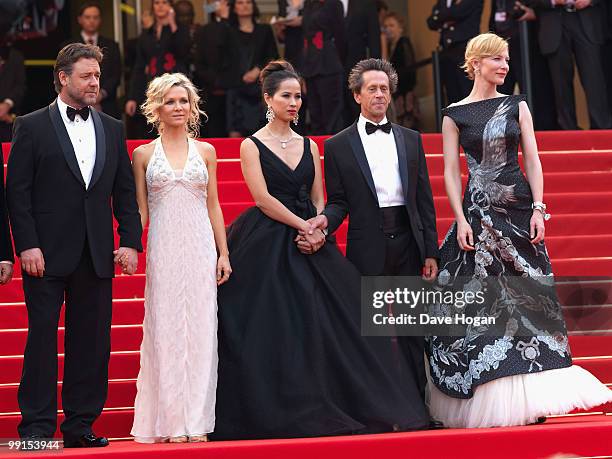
{"x":233,"y":18}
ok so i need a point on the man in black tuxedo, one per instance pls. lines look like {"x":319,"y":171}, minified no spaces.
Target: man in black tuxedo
{"x":90,"y":19}
{"x":375,"y":172}
{"x":457,"y":21}
{"x":363,"y":36}
{"x":574,"y":27}
{"x":6,"y":246}
{"x":68,"y":174}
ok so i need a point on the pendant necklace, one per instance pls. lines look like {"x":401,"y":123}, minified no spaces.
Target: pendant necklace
{"x":282,"y":142}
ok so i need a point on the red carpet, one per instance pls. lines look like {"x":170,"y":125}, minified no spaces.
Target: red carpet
{"x":583,"y":436}
{"x":578,"y":191}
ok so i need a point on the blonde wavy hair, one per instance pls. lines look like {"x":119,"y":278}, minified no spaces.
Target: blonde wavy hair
{"x":156,"y":92}
{"x":483,"y":45}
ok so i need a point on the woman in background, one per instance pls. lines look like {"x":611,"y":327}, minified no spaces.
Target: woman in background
{"x":401,"y":55}
{"x":176,"y":189}
{"x":250,"y":46}
{"x":162,"y":48}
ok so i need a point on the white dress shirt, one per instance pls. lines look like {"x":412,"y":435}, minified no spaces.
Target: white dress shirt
{"x":93,"y":38}
{"x":345,"y":6}
{"x":83,"y":137}
{"x":381,"y":152}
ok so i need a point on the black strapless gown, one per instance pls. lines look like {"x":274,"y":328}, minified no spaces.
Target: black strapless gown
{"x":292,"y":362}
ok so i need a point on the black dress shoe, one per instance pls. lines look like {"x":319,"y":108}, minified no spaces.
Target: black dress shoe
{"x":35,"y":436}
{"x":86,"y":441}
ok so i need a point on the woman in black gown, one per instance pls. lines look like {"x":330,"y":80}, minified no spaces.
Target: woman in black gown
{"x":520,"y":370}
{"x":292,"y":362}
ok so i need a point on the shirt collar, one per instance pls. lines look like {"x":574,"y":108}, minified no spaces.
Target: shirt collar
{"x":62,"y":106}
{"x":361,"y":122}
{"x":93,"y":37}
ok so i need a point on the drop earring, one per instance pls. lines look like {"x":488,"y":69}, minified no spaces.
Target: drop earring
{"x":296,"y":120}
{"x":270,"y":114}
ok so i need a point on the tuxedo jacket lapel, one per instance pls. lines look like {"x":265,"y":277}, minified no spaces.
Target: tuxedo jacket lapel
{"x":402,"y":157}
{"x":65,"y":143}
{"x":100,"y":147}
{"x":362,"y":160}
{"x":350,"y":10}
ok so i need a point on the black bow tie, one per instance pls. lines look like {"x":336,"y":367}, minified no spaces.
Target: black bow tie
{"x":72,"y":112}
{"x":371,"y":128}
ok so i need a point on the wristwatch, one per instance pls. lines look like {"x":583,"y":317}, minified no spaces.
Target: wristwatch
{"x":541,"y":207}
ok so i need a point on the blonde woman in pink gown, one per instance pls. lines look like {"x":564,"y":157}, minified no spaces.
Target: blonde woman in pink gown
{"x":187,"y":257}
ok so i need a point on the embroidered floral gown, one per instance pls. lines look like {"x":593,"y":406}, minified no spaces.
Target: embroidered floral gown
{"x":523,"y":370}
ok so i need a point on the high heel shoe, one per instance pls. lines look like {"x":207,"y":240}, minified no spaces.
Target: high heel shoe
{"x":181,"y":439}
{"x":198,"y":439}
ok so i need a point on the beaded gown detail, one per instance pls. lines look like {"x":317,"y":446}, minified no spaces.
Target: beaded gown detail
{"x":484,"y":379}
{"x":178,"y":356}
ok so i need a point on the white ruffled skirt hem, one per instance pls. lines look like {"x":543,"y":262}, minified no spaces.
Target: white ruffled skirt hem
{"x":520,"y":399}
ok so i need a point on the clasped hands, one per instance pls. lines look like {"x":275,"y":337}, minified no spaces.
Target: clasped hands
{"x":127,"y":258}
{"x":311,"y":238}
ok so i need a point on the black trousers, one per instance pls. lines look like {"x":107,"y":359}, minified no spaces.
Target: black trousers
{"x":215,"y":107}
{"x":588,"y":60}
{"x":87,"y":351}
{"x":454,"y":80}
{"x":402,"y":258}
{"x":325,"y":104}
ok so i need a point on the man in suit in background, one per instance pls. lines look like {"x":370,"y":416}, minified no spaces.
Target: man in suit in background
{"x":376,"y":173}
{"x":68,"y":174}
{"x":90,"y":19}
{"x":6,"y":246}
{"x":457,"y":21}
{"x":363,"y":36}
{"x":574,"y":27}
{"x":209,"y":59}
{"x":12,"y":86}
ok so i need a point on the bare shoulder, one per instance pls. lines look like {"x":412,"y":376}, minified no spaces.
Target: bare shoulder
{"x":143,"y":153}
{"x":314,"y":148}
{"x":524,"y":112}
{"x":248,"y":147}
{"x":206,"y":150}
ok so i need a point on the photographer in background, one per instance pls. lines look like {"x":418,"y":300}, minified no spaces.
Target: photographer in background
{"x":12,"y":87}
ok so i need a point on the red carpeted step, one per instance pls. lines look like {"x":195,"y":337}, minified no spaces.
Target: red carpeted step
{"x":558,"y":203}
{"x":584,"y":161}
{"x":582,"y":266}
{"x":123,"y":287}
{"x":588,"y":318}
{"x":574,"y":224}
{"x":555,"y":182}
{"x":125,"y":312}
{"x":230,"y":169}
{"x":582,"y":436}
{"x":121,"y":394}
{"x":589,"y":345}
{"x":432,"y":143}
{"x":113,"y":423}
{"x":584,"y":291}
{"x":123,"y":365}
{"x":124,"y":338}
